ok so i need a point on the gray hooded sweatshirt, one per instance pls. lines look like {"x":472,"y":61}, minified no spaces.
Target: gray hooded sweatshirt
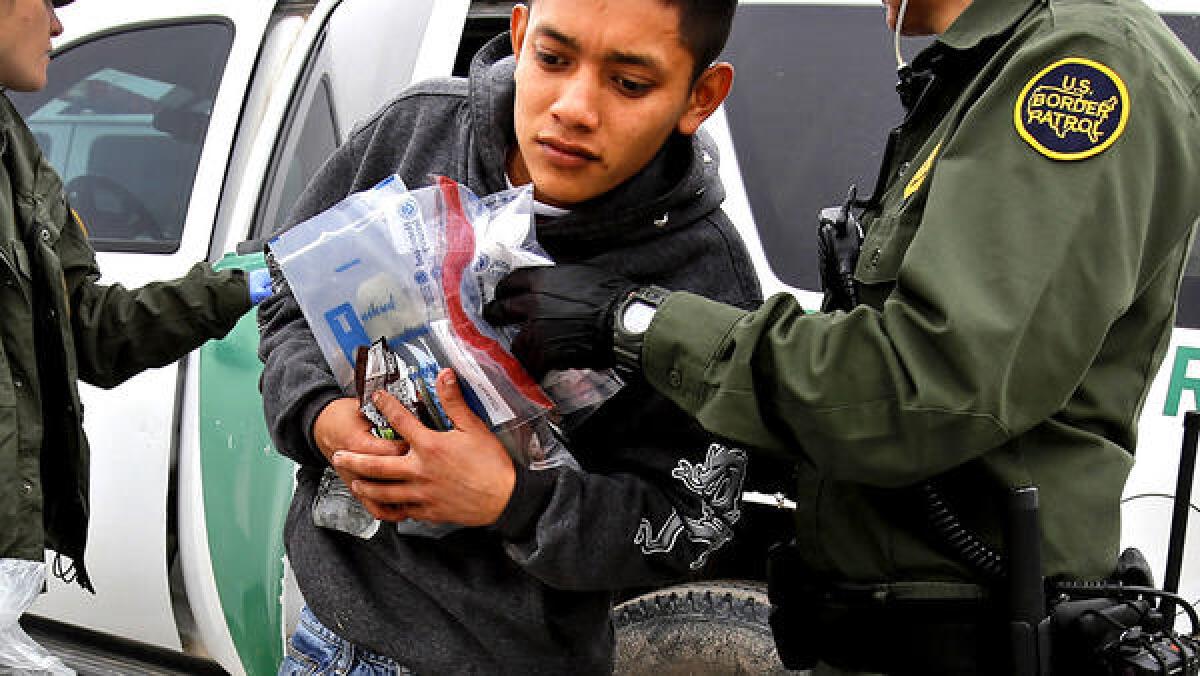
{"x":655,"y":497}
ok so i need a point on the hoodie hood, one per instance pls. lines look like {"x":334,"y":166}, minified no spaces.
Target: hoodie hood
{"x":679,"y":186}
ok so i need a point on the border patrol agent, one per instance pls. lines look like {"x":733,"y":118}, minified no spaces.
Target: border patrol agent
{"x":1016,"y":291}
{"x":59,"y":325}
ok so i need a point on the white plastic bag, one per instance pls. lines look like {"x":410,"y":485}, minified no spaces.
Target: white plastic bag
{"x":20,"y":583}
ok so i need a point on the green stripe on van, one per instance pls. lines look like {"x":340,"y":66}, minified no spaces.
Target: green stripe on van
{"x":247,"y":490}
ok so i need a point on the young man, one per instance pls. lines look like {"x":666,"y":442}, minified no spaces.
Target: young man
{"x":1016,"y":294}
{"x":59,"y":325}
{"x":597,"y":103}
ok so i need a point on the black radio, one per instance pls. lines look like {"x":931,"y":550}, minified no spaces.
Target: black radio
{"x":1124,"y":627}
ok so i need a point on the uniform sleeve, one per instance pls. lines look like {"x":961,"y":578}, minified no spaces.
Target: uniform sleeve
{"x":645,"y":511}
{"x":1018,"y":265}
{"x":119,"y":332}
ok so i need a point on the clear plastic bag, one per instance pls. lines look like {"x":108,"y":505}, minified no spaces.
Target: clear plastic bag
{"x":362,"y":270}
{"x":20,"y":583}
{"x":414,"y":269}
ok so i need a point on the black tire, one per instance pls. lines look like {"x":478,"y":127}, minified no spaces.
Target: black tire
{"x":713,"y":627}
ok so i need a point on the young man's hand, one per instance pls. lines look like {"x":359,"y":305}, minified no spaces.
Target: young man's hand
{"x":566,"y":313}
{"x":341,"y":426}
{"x":463,"y":476}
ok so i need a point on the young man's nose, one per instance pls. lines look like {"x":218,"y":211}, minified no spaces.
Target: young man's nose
{"x":577,"y":101}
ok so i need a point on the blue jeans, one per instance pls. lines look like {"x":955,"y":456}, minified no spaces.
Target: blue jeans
{"x":315,"y":650}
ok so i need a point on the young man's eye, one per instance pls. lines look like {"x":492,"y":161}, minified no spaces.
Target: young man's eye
{"x":550,"y":59}
{"x":632,"y":87}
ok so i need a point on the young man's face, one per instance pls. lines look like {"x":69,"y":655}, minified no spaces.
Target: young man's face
{"x":600,"y":85}
{"x":26,"y":27}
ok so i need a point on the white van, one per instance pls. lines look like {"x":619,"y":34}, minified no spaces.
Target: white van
{"x":184,"y":130}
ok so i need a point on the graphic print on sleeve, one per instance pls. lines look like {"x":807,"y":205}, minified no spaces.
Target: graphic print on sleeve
{"x":718,"y":482}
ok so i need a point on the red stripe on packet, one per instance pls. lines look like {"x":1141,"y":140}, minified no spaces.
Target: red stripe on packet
{"x":460,"y":249}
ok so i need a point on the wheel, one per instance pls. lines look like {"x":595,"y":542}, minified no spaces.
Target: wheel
{"x":712,"y":627}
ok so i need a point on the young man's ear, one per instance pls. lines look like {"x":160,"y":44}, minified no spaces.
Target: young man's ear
{"x":708,"y":92}
{"x":516,"y":26}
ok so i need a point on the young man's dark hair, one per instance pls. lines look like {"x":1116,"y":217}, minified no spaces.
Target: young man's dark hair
{"x":704,"y":26}
{"x":603,"y":123}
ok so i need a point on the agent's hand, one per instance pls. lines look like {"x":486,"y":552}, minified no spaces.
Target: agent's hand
{"x":566,"y":313}
{"x":341,"y":426}
{"x":462,"y":476}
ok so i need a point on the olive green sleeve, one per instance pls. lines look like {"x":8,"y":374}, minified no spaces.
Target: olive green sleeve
{"x":1012,"y":269}
{"x":119,"y":332}
{"x":830,"y":389}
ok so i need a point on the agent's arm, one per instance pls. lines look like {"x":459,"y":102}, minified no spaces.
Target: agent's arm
{"x":120,"y":332}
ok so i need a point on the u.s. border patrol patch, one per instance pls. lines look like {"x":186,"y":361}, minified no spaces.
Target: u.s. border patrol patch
{"x":1072,"y":109}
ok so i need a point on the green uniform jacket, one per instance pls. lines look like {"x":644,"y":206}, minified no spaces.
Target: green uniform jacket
{"x":58,"y":326}
{"x":1019,"y":278}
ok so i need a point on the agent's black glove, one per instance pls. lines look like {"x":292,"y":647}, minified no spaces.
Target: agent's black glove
{"x":566,"y":313}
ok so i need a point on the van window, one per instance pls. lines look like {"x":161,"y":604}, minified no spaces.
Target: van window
{"x":123,"y":120}
{"x":311,"y":137}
